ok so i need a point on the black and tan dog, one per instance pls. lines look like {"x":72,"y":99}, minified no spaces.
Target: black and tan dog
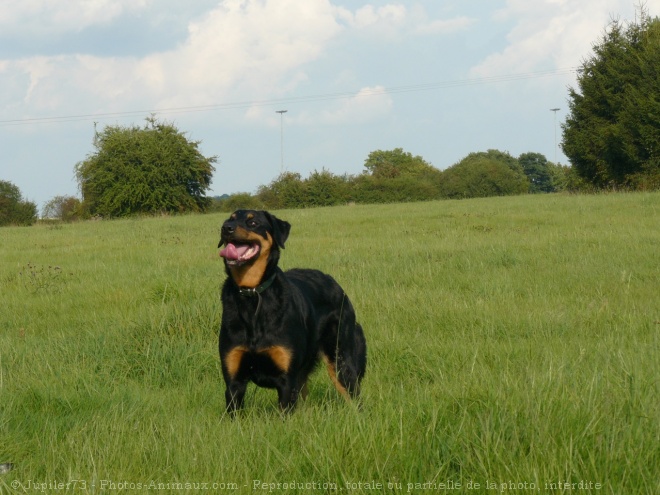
{"x":277,"y":325}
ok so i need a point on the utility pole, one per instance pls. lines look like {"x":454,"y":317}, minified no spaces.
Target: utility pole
{"x":555,"y":110}
{"x":281,"y":112}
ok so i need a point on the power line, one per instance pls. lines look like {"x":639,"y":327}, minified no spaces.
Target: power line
{"x":293,"y":100}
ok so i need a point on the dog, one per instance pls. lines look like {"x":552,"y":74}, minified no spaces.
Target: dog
{"x":276,"y":325}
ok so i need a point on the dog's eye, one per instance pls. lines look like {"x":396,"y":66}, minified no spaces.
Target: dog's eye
{"x":252,"y":223}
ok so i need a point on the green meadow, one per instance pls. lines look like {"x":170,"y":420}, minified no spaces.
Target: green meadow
{"x":513,"y":347}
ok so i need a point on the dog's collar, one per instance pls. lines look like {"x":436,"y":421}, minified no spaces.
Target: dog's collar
{"x":253,"y":291}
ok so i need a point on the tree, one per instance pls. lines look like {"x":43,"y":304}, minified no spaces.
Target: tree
{"x":537,"y":170}
{"x":237,"y":201}
{"x":503,"y":157}
{"x":395,"y":176}
{"x":479,"y":175}
{"x":65,"y":208}
{"x":395,"y":163}
{"x":286,"y":191}
{"x":612,"y":132}
{"x":326,"y":189}
{"x":144,"y":170}
{"x":14,"y":210}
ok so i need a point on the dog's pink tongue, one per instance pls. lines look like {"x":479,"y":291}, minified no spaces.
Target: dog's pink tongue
{"x":230,"y":252}
{"x":234,"y":252}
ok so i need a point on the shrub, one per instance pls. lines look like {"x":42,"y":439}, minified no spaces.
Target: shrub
{"x":286,"y":191}
{"x":65,"y":208}
{"x":481,"y":175}
{"x":14,"y":210}
{"x":237,"y":201}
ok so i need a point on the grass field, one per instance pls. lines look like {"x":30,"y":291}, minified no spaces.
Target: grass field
{"x":513,"y":346}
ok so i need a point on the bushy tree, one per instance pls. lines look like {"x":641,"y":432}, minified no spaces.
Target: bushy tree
{"x":14,"y":210}
{"x":498,"y":156}
{"x":148,"y":169}
{"x":65,"y":208}
{"x":537,"y":170}
{"x":327,"y":189}
{"x":396,"y":176}
{"x":285,"y":191}
{"x":483,"y":174}
{"x":370,"y":190}
{"x":290,"y":190}
{"x":395,"y":163}
{"x":612,"y":132}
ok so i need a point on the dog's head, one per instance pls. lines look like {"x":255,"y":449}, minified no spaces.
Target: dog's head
{"x":252,"y":241}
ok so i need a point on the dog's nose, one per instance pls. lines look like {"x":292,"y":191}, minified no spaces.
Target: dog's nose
{"x":228,"y":229}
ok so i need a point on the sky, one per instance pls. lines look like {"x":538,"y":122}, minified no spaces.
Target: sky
{"x":438,"y":78}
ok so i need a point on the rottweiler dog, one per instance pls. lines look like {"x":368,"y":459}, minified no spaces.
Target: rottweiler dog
{"x":277,"y":325}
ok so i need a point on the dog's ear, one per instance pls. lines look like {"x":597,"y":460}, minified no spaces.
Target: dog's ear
{"x":280,"y":228}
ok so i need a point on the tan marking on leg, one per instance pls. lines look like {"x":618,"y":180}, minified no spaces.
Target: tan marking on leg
{"x":333,"y":376}
{"x":232,"y":360}
{"x":281,"y":356}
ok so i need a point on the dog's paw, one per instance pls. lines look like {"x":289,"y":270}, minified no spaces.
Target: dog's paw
{"x":6,"y":467}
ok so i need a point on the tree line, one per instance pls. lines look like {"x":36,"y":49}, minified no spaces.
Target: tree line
{"x":399,"y":176}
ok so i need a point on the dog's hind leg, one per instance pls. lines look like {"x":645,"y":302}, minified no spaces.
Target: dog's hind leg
{"x":332,"y":372}
{"x":359,"y":352}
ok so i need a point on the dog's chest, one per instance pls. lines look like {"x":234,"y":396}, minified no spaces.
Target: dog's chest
{"x":242,"y":362}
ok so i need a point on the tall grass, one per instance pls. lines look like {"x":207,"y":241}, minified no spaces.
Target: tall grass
{"x":513,"y":346}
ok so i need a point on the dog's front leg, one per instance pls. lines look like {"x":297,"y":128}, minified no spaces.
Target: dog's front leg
{"x":287,"y":392}
{"x":234,"y":394}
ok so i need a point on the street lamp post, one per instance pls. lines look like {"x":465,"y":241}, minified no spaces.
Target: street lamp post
{"x":281,"y":112}
{"x":555,"y":110}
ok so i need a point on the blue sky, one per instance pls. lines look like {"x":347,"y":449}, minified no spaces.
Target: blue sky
{"x":438,"y":78}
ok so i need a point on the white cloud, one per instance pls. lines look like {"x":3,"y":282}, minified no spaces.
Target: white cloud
{"x":367,"y":104}
{"x":368,"y":16}
{"x":240,"y":50}
{"x":393,"y":20}
{"x":253,"y":42}
{"x":445,"y":26}
{"x":57,"y":16}
{"x":242,"y":47}
{"x":560,"y":31}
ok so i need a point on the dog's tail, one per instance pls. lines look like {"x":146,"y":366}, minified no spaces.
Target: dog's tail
{"x":350,"y":361}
